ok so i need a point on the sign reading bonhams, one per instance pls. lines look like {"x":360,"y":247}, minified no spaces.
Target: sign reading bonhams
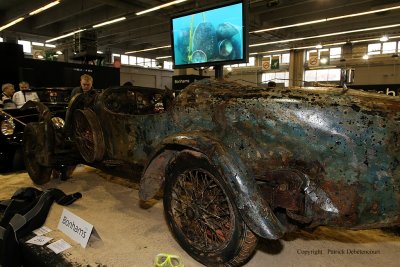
{"x":179,"y":82}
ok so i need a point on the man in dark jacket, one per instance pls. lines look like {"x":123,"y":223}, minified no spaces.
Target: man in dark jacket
{"x":86,"y":89}
{"x":86,"y":85}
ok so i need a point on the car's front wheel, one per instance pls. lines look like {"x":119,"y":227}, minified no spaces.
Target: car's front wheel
{"x":39,"y":174}
{"x":88,"y":135}
{"x":201,"y":213}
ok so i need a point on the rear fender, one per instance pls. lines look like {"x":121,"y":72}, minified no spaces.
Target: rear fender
{"x":253,"y":208}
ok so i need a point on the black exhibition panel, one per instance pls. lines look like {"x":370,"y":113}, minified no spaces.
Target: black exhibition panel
{"x":12,"y":57}
{"x":43,"y":73}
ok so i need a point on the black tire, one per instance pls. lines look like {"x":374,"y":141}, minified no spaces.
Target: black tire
{"x":68,"y":170}
{"x":39,"y":174}
{"x":202,"y":215}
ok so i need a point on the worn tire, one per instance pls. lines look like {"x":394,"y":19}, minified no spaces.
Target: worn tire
{"x":39,"y":174}
{"x":68,"y":172}
{"x":202,"y":215}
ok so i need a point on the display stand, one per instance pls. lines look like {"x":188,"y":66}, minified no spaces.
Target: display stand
{"x":219,"y":72}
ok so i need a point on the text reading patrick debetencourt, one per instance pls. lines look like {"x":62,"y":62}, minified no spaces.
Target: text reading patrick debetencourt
{"x":337,"y":252}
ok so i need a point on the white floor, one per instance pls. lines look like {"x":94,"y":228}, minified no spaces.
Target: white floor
{"x":132,"y":235}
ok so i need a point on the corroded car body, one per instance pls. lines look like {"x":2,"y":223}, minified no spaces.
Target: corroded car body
{"x":236,"y":162}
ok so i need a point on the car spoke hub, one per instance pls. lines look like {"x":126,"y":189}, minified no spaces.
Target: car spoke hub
{"x":201,"y":209}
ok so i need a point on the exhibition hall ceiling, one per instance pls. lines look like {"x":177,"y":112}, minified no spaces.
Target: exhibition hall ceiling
{"x":297,"y":23}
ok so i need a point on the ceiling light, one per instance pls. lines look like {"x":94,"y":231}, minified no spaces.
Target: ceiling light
{"x":327,"y":19}
{"x":163,"y":57}
{"x":44,"y":8}
{"x":295,"y":48}
{"x":50,"y":45}
{"x":372,"y":39}
{"x":318,"y":46}
{"x":100,"y":52}
{"x":11,"y":23}
{"x":365,"y":56}
{"x":364,"y":40}
{"x":304,"y":47}
{"x":290,"y":26}
{"x":37,"y":44}
{"x":364,"y":13}
{"x":63,"y":36}
{"x":160,"y":6}
{"x":276,"y":51}
{"x":326,"y":45}
{"x":326,"y":35}
{"x":148,"y":49}
{"x":109,"y":22}
{"x":334,"y":44}
{"x":323,"y":60}
{"x":58,"y":52}
{"x":384,"y":38}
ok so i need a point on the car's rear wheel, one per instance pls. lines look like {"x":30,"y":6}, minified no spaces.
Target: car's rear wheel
{"x":201,"y":213}
{"x":39,"y":174}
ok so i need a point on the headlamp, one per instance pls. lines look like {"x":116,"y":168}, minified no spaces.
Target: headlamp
{"x":58,"y":123}
{"x":7,"y":126}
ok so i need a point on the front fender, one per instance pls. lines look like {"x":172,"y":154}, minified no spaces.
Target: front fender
{"x":42,"y":109}
{"x":76,"y":102}
{"x":46,"y":136}
{"x":253,"y":208}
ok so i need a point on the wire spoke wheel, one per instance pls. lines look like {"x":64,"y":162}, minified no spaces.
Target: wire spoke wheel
{"x":202,"y":210}
{"x":202,"y":215}
{"x":88,"y":135}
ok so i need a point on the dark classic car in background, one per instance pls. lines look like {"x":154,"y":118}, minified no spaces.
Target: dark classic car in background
{"x":234,"y":162}
{"x":13,"y":121}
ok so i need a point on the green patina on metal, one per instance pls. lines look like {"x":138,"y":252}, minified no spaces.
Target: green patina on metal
{"x":333,"y":137}
{"x":324,"y":155}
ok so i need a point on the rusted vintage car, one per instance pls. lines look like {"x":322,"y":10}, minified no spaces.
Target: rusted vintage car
{"x":235,"y":163}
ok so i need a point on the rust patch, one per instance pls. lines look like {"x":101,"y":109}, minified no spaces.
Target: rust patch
{"x":375,"y":208}
{"x":346,"y":198}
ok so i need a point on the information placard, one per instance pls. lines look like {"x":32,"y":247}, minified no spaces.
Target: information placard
{"x":75,"y":227}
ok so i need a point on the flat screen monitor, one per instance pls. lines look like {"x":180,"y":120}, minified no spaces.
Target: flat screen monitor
{"x":209,"y":37}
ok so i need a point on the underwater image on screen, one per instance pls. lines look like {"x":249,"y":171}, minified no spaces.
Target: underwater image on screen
{"x":209,"y":36}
